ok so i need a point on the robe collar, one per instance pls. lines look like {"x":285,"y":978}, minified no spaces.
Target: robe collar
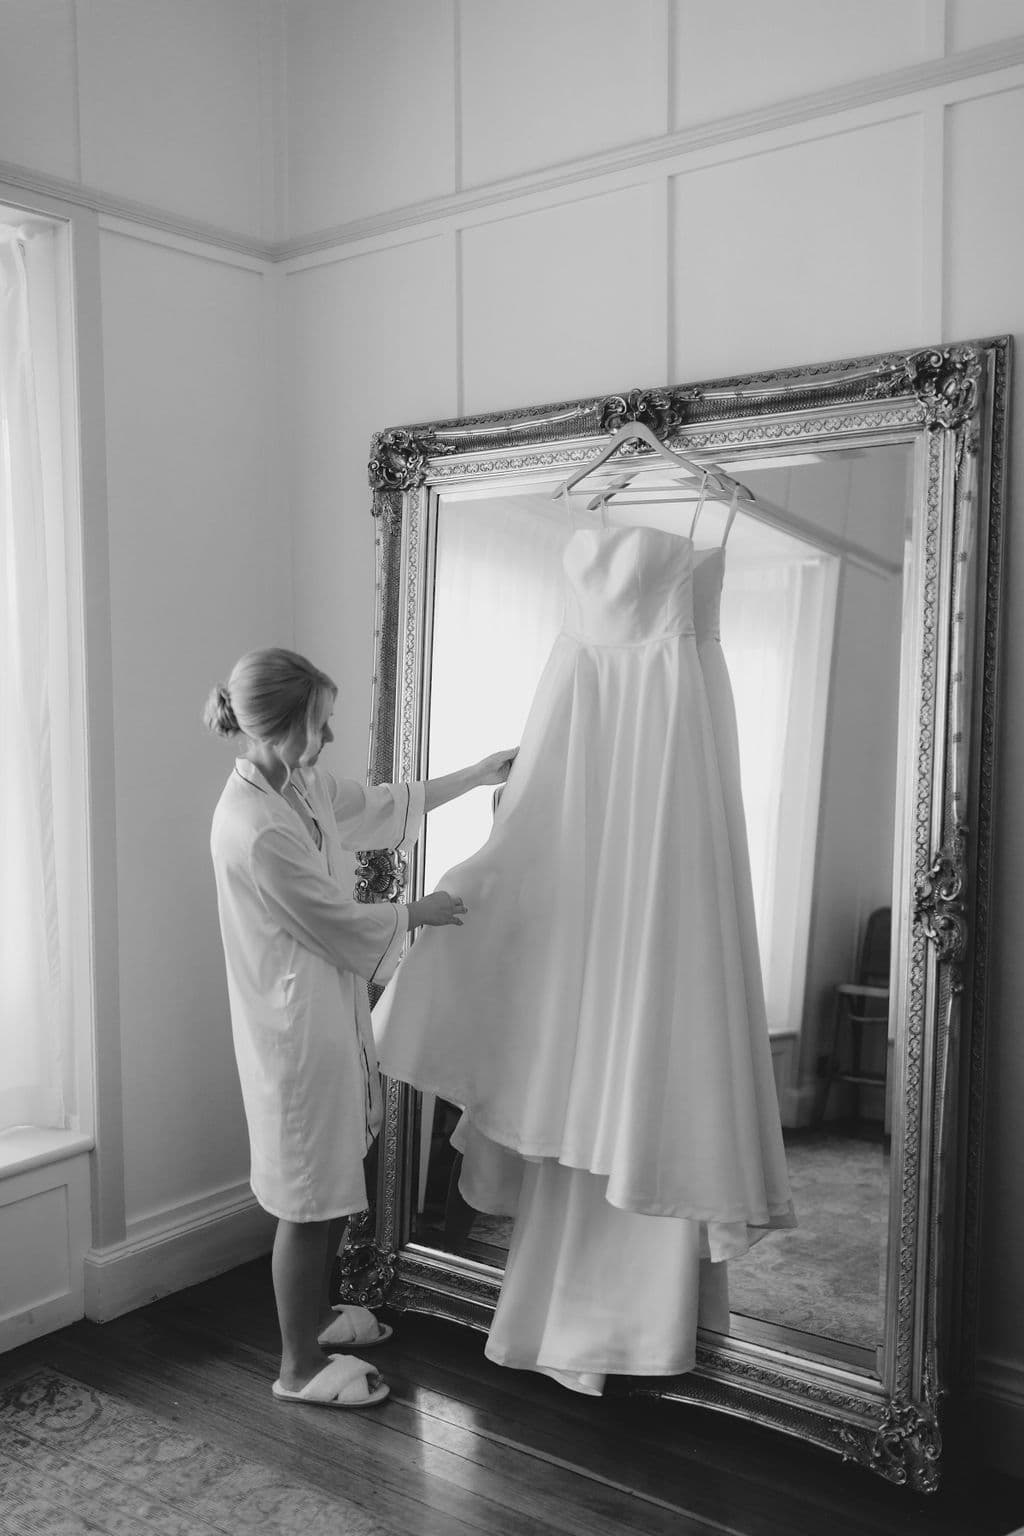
{"x":248,"y":770}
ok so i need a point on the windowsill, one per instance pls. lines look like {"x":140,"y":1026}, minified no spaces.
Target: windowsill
{"x":29,"y":1146}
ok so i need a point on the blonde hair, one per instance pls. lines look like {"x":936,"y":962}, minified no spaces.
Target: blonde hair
{"x":268,"y":694}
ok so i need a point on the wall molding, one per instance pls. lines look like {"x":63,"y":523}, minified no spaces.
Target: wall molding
{"x":24,"y":179}
{"x":656,"y":156}
{"x":171,"y":1249}
{"x":171,"y":240}
{"x":983,"y":68}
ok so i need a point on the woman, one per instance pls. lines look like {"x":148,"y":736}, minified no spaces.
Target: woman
{"x":298,"y":951}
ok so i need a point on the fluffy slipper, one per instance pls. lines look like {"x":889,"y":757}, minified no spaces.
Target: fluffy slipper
{"x":343,"y":1383}
{"x":354,"y":1326}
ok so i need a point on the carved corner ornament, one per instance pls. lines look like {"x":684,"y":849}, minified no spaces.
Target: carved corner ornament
{"x":398,"y":459}
{"x":946,"y":383}
{"x":367,"y":1272}
{"x":906,"y":1448}
{"x":380,"y":874}
{"x":939,"y":898}
{"x":659,"y":409}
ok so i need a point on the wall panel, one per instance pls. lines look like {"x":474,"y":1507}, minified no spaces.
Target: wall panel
{"x":171,"y":105}
{"x":804,"y":253}
{"x":371,"y":117}
{"x":973,"y":23}
{"x":565,"y":301}
{"x":743,"y":55}
{"x":38,"y":89}
{"x":199,"y":573}
{"x":984,"y":215}
{"x":544,"y":83}
{"x":44,"y":1234}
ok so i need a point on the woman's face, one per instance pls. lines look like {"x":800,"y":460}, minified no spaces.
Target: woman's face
{"x":297,"y":753}
{"x":316,"y":746}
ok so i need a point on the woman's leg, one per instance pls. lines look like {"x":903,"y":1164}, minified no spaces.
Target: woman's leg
{"x":300,"y":1250}
{"x":335,"y":1233}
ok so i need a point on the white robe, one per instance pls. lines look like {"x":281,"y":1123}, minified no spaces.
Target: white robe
{"x":299,"y":950}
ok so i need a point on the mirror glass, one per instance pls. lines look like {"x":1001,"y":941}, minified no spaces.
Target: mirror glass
{"x":811,"y":626}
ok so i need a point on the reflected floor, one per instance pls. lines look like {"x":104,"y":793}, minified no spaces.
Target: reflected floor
{"x":825,"y":1277}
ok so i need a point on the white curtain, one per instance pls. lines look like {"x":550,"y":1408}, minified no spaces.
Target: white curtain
{"x":497,"y":609}
{"x":777,"y":629}
{"x":34,"y":1054}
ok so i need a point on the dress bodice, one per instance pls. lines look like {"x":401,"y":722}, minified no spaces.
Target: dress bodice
{"x":708,"y":574}
{"x":627,"y":586}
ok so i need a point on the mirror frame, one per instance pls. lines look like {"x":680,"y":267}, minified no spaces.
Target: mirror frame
{"x":951,"y":403}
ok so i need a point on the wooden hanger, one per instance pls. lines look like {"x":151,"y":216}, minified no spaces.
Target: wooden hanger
{"x":633,"y":432}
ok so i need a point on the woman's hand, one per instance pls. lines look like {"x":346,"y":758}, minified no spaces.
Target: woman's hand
{"x":439,"y":910}
{"x":496,"y":768}
{"x":489,"y":770}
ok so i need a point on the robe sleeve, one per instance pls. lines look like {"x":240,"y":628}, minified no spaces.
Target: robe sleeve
{"x":384,"y":816}
{"x":365,"y":938}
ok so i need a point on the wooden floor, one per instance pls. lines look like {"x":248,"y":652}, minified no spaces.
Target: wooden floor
{"x":462,"y":1447}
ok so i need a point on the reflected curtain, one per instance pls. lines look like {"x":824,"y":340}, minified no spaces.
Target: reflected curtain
{"x":34,"y":1024}
{"x":778,"y":622}
{"x":497,"y":608}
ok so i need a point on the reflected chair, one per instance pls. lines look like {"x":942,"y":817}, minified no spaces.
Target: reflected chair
{"x":858,"y":1053}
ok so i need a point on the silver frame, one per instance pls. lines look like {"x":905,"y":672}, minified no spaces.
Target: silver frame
{"x":951,"y":402}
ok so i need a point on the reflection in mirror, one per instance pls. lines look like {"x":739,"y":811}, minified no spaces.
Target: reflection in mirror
{"x":811,"y":625}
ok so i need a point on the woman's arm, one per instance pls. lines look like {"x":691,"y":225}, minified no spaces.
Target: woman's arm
{"x":379,"y":816}
{"x":489,"y":770}
{"x":303,"y":900}
{"x":390,"y":815}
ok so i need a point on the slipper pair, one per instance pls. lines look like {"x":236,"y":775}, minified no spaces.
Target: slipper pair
{"x":353,"y":1326}
{"x":344,"y":1382}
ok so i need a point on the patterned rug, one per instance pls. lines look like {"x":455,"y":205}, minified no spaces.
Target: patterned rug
{"x":826,"y":1276}
{"x":76,"y":1462}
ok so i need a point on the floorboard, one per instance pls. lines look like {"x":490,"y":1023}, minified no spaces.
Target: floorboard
{"x":463,"y":1447}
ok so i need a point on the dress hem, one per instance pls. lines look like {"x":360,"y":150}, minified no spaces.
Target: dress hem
{"x":769,"y":1218}
{"x":634,"y":1368}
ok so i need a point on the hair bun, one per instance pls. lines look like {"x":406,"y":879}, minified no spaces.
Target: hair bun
{"x":219,"y":714}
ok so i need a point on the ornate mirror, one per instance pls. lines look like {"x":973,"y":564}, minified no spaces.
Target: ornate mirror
{"x":859,"y":621}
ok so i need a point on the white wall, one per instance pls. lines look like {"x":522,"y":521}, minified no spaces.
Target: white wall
{"x":197,"y":552}
{"x":614,"y":196}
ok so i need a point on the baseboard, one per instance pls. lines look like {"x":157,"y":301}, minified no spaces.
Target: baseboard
{"x":784,"y":1049}
{"x":797,"y":1105}
{"x":173,"y":1249}
{"x":999,"y":1396}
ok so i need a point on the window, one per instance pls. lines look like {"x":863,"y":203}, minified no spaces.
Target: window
{"x":42,"y":801}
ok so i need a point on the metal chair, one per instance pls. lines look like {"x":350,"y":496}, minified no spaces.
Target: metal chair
{"x":861,"y":1009}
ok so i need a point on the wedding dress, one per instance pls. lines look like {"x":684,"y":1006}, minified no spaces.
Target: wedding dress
{"x":599,"y":1016}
